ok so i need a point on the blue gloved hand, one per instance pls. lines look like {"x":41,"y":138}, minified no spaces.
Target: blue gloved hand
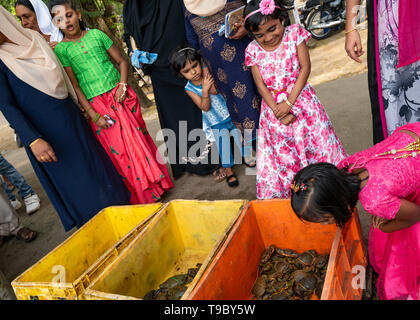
{"x":142,"y":57}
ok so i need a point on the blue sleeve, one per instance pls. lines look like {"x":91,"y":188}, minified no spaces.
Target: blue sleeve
{"x":192,"y":37}
{"x":10,"y":109}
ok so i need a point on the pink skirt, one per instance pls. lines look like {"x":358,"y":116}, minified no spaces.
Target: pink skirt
{"x":131,"y":148}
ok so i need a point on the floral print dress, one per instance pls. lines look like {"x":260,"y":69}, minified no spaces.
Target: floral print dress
{"x":284,"y":150}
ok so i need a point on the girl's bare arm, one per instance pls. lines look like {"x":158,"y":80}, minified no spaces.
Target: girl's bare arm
{"x":408,"y":215}
{"x":262,"y":88}
{"x":82,"y":98}
{"x":305,"y":71}
{"x":203,"y":104}
{"x":122,"y":63}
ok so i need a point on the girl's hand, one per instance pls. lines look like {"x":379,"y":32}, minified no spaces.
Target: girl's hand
{"x":282,"y":110}
{"x":121,"y":93}
{"x":213,"y":90}
{"x":43,"y":152}
{"x":240,"y":31}
{"x":377,"y":221}
{"x":353,"y":46}
{"x":208,"y":82}
{"x":288,"y":119}
{"x":102,"y":123}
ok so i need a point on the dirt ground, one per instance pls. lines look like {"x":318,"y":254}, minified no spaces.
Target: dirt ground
{"x":341,"y":86}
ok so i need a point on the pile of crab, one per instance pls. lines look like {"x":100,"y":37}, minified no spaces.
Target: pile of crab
{"x":287,"y":275}
{"x":173,"y":288}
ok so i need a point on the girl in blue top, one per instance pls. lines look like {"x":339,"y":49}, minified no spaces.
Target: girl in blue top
{"x":200,"y":88}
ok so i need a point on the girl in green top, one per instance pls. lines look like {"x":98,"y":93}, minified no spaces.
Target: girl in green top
{"x":113,"y":107}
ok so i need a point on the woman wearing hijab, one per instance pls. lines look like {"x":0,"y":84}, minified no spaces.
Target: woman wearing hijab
{"x":225,"y":58}
{"x":37,"y":100}
{"x":158,"y":27}
{"x":393,"y":61}
{"x":34,"y":15}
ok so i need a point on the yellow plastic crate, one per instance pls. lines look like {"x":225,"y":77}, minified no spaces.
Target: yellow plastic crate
{"x":65,"y":272}
{"x":182,"y":234}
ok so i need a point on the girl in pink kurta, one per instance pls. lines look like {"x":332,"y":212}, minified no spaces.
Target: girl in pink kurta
{"x":294,"y":128}
{"x":386,"y":180}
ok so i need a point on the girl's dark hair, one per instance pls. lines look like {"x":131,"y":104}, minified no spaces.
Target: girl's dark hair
{"x":324,"y":189}
{"x":253,"y":22}
{"x":181,"y":55}
{"x":25,"y":3}
{"x":72,"y":4}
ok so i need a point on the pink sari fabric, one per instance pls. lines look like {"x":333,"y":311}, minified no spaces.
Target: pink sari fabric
{"x":131,"y":148}
{"x":394,"y":256}
{"x":409,"y":32}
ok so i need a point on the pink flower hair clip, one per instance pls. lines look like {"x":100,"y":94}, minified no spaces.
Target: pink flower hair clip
{"x":267,"y":7}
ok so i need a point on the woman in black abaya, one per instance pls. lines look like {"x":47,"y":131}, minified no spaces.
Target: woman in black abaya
{"x":157,"y":26}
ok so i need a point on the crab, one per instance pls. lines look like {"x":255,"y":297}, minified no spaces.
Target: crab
{"x":319,"y":288}
{"x":267,"y":254}
{"x":266,"y":268}
{"x":281,"y":267}
{"x":276,"y":257}
{"x":321,"y":261}
{"x":177,"y":292}
{"x":161,"y":295}
{"x":192,"y":272}
{"x":306,"y":259}
{"x":174,"y":287}
{"x":279,"y":296}
{"x":304,"y":283}
{"x":259,"y":287}
{"x":287,"y":253}
{"x":288,"y":275}
{"x":174,"y":281}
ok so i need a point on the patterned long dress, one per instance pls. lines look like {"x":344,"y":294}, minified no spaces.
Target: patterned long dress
{"x":284,"y":150}
{"x":394,"y":92}
{"x":225,"y":59}
{"x":400,"y":86}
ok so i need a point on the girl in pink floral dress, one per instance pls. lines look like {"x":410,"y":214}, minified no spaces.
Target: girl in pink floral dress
{"x":386,"y":180}
{"x":294,"y":128}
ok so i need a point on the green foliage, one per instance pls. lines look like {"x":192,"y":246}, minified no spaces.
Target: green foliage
{"x":9,"y":5}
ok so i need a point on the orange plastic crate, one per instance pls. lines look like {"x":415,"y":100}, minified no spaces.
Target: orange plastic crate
{"x":233,"y":271}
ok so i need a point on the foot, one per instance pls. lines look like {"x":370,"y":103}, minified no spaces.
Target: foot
{"x":249,"y":162}
{"x":26,"y":234}
{"x":231,"y":178}
{"x":16,"y":204}
{"x":219,"y":175}
{"x":32,"y":204}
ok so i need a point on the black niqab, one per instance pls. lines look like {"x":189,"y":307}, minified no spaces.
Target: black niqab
{"x":146,"y":21}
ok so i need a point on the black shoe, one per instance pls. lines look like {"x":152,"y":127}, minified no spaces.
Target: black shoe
{"x":233,"y":183}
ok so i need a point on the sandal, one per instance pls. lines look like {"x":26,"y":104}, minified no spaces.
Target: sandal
{"x":219,"y":175}
{"x":251,"y":164}
{"x":26,"y":234}
{"x":233,"y":183}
